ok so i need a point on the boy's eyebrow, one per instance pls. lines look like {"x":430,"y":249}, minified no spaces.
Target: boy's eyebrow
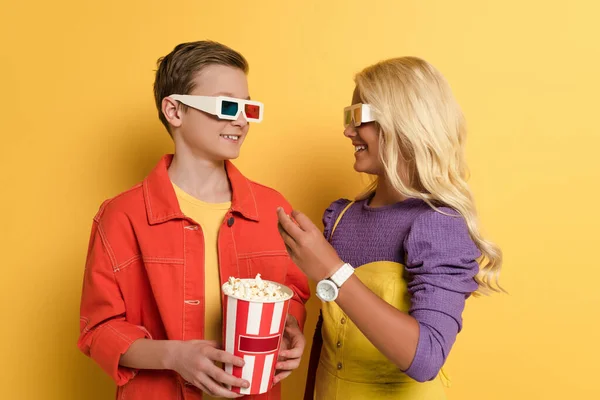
{"x":228,"y":95}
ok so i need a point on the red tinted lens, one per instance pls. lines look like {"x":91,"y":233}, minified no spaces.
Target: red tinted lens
{"x":252,"y":111}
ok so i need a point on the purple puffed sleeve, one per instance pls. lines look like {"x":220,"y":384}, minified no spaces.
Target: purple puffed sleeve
{"x":331,"y":214}
{"x":441,"y":259}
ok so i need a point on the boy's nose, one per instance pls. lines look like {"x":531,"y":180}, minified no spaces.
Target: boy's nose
{"x":240,"y":121}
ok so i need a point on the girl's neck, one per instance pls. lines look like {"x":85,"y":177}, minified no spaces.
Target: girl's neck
{"x":385,"y":194}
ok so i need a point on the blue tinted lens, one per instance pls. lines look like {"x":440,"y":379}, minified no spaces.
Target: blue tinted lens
{"x":229,"y":108}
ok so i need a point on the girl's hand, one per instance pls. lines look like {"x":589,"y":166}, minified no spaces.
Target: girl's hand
{"x":307,"y":247}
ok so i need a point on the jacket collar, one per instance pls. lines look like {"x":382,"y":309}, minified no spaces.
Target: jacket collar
{"x":161,"y":201}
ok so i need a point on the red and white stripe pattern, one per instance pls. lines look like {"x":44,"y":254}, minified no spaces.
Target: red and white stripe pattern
{"x":253,"y":331}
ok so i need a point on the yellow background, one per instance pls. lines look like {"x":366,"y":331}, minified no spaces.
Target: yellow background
{"x":79,"y":126}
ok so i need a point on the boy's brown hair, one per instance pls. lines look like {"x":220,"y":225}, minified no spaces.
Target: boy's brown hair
{"x":176,"y":71}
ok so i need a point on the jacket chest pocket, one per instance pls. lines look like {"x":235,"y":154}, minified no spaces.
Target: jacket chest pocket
{"x":271,"y":265}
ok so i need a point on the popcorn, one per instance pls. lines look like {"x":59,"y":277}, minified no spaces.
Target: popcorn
{"x":254,"y":312}
{"x":254,"y":290}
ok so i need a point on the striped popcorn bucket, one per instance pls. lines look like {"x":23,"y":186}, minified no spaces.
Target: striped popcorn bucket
{"x":253,"y":331}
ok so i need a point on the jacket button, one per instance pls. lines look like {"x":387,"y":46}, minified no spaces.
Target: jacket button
{"x":339,"y":366}
{"x":230,"y":222}
{"x":339,"y":344}
{"x":343,"y":321}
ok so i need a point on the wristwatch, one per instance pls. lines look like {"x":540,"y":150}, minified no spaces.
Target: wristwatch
{"x":328,"y":289}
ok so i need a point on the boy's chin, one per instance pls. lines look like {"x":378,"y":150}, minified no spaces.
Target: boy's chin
{"x":229,"y":155}
{"x":219,"y":155}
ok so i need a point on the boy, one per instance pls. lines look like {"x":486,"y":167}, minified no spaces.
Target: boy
{"x":159,"y":252}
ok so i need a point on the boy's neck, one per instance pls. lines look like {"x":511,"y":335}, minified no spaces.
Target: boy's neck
{"x":204,"y":179}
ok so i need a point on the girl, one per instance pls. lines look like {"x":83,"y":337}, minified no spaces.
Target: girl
{"x":399,"y":262}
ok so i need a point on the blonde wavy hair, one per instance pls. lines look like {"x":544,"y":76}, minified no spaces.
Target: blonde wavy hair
{"x":422,"y":136}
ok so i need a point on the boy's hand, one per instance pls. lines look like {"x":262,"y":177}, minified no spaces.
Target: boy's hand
{"x":291,"y":351}
{"x":195,"y":361}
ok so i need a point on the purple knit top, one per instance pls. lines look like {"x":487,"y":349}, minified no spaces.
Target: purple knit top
{"x":439,"y":256}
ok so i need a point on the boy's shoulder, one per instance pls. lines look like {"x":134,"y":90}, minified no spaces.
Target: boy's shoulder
{"x":266,"y":197}
{"x":124,"y":205}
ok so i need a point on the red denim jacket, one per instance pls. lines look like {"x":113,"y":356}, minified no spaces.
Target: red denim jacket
{"x":144,"y":275}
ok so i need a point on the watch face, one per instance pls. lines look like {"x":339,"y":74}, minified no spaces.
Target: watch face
{"x":326,"y":291}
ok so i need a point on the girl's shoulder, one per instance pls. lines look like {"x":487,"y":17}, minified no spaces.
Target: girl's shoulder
{"x":332,"y":213}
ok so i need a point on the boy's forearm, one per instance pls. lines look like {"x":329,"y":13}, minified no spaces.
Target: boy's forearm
{"x":150,"y":354}
{"x":298,"y":311}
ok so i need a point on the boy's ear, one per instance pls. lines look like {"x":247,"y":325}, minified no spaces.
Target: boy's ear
{"x":171,"y":111}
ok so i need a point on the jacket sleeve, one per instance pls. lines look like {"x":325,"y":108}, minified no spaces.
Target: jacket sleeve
{"x":105,"y":333}
{"x":298,"y":282}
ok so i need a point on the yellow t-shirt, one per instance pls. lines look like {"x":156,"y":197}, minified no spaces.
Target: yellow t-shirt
{"x":210,"y":217}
